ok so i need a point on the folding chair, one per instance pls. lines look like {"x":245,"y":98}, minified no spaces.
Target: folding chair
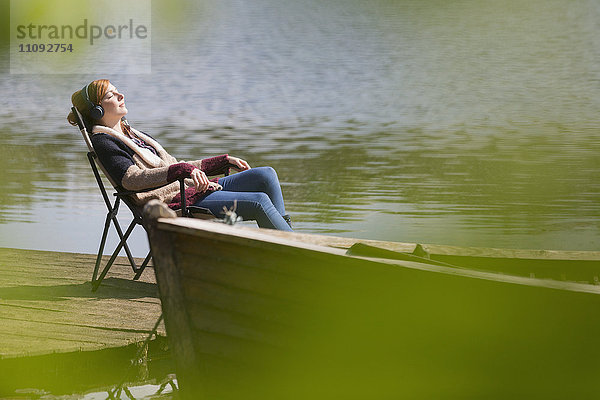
{"x":113,"y":209}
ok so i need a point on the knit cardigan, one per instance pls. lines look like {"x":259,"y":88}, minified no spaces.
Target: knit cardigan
{"x":130,"y":172}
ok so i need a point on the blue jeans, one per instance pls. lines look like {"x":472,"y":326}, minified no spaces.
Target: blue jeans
{"x":257,"y":194}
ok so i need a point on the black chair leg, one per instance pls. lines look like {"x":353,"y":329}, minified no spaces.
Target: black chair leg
{"x":96,"y":283}
{"x":140,"y":269}
{"x":111,"y":216}
{"x":127,"y":251}
{"x":102,"y":244}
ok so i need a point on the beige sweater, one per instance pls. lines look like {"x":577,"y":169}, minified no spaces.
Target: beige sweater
{"x":135,"y":168}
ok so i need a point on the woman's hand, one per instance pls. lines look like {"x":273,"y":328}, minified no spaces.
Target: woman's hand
{"x":238,"y":163}
{"x":202,"y":183}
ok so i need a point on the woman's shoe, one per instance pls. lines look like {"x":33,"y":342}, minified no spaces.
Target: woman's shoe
{"x":287,"y":219}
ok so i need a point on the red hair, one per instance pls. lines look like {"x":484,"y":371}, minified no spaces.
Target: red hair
{"x":96,"y":91}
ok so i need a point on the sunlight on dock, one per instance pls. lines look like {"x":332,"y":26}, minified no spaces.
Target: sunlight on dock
{"x":49,"y":316}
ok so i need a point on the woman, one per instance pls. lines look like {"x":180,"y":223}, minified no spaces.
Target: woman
{"x":136,"y":161}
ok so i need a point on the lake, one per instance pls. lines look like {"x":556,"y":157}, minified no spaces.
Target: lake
{"x":470,"y":123}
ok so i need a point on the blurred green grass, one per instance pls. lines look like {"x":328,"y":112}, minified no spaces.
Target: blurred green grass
{"x":168,"y":18}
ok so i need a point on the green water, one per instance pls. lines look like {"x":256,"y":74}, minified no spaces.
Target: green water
{"x":463,"y":122}
{"x":138,"y":371}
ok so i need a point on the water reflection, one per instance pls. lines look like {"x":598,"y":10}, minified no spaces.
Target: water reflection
{"x":466,"y":123}
{"x":32,"y":172}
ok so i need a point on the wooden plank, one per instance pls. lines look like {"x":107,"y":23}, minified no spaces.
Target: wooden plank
{"x":174,"y":307}
{"x":239,"y":235}
{"x":47,"y":306}
{"x":247,"y":240}
{"x":574,"y":270}
{"x":30,"y":338}
{"x":339,"y":241}
{"x":110,"y":316}
{"x":345,"y":243}
{"x":212,"y":320}
{"x":281,"y":261}
{"x":253,"y":280}
{"x":240,"y":301}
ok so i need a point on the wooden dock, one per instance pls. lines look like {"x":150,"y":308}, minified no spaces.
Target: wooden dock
{"x":47,"y":306}
{"x":59,"y":337}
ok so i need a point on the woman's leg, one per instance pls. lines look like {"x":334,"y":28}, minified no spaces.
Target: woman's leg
{"x":260,"y":179}
{"x":250,"y":205}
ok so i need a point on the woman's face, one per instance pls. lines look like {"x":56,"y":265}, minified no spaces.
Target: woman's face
{"x":113,"y":103}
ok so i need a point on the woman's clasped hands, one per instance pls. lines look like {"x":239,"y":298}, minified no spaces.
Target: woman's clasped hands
{"x":202,"y":183}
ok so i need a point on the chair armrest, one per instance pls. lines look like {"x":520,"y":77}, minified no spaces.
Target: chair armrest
{"x":184,"y":211}
{"x":184,"y":208}
{"x":124,"y":193}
